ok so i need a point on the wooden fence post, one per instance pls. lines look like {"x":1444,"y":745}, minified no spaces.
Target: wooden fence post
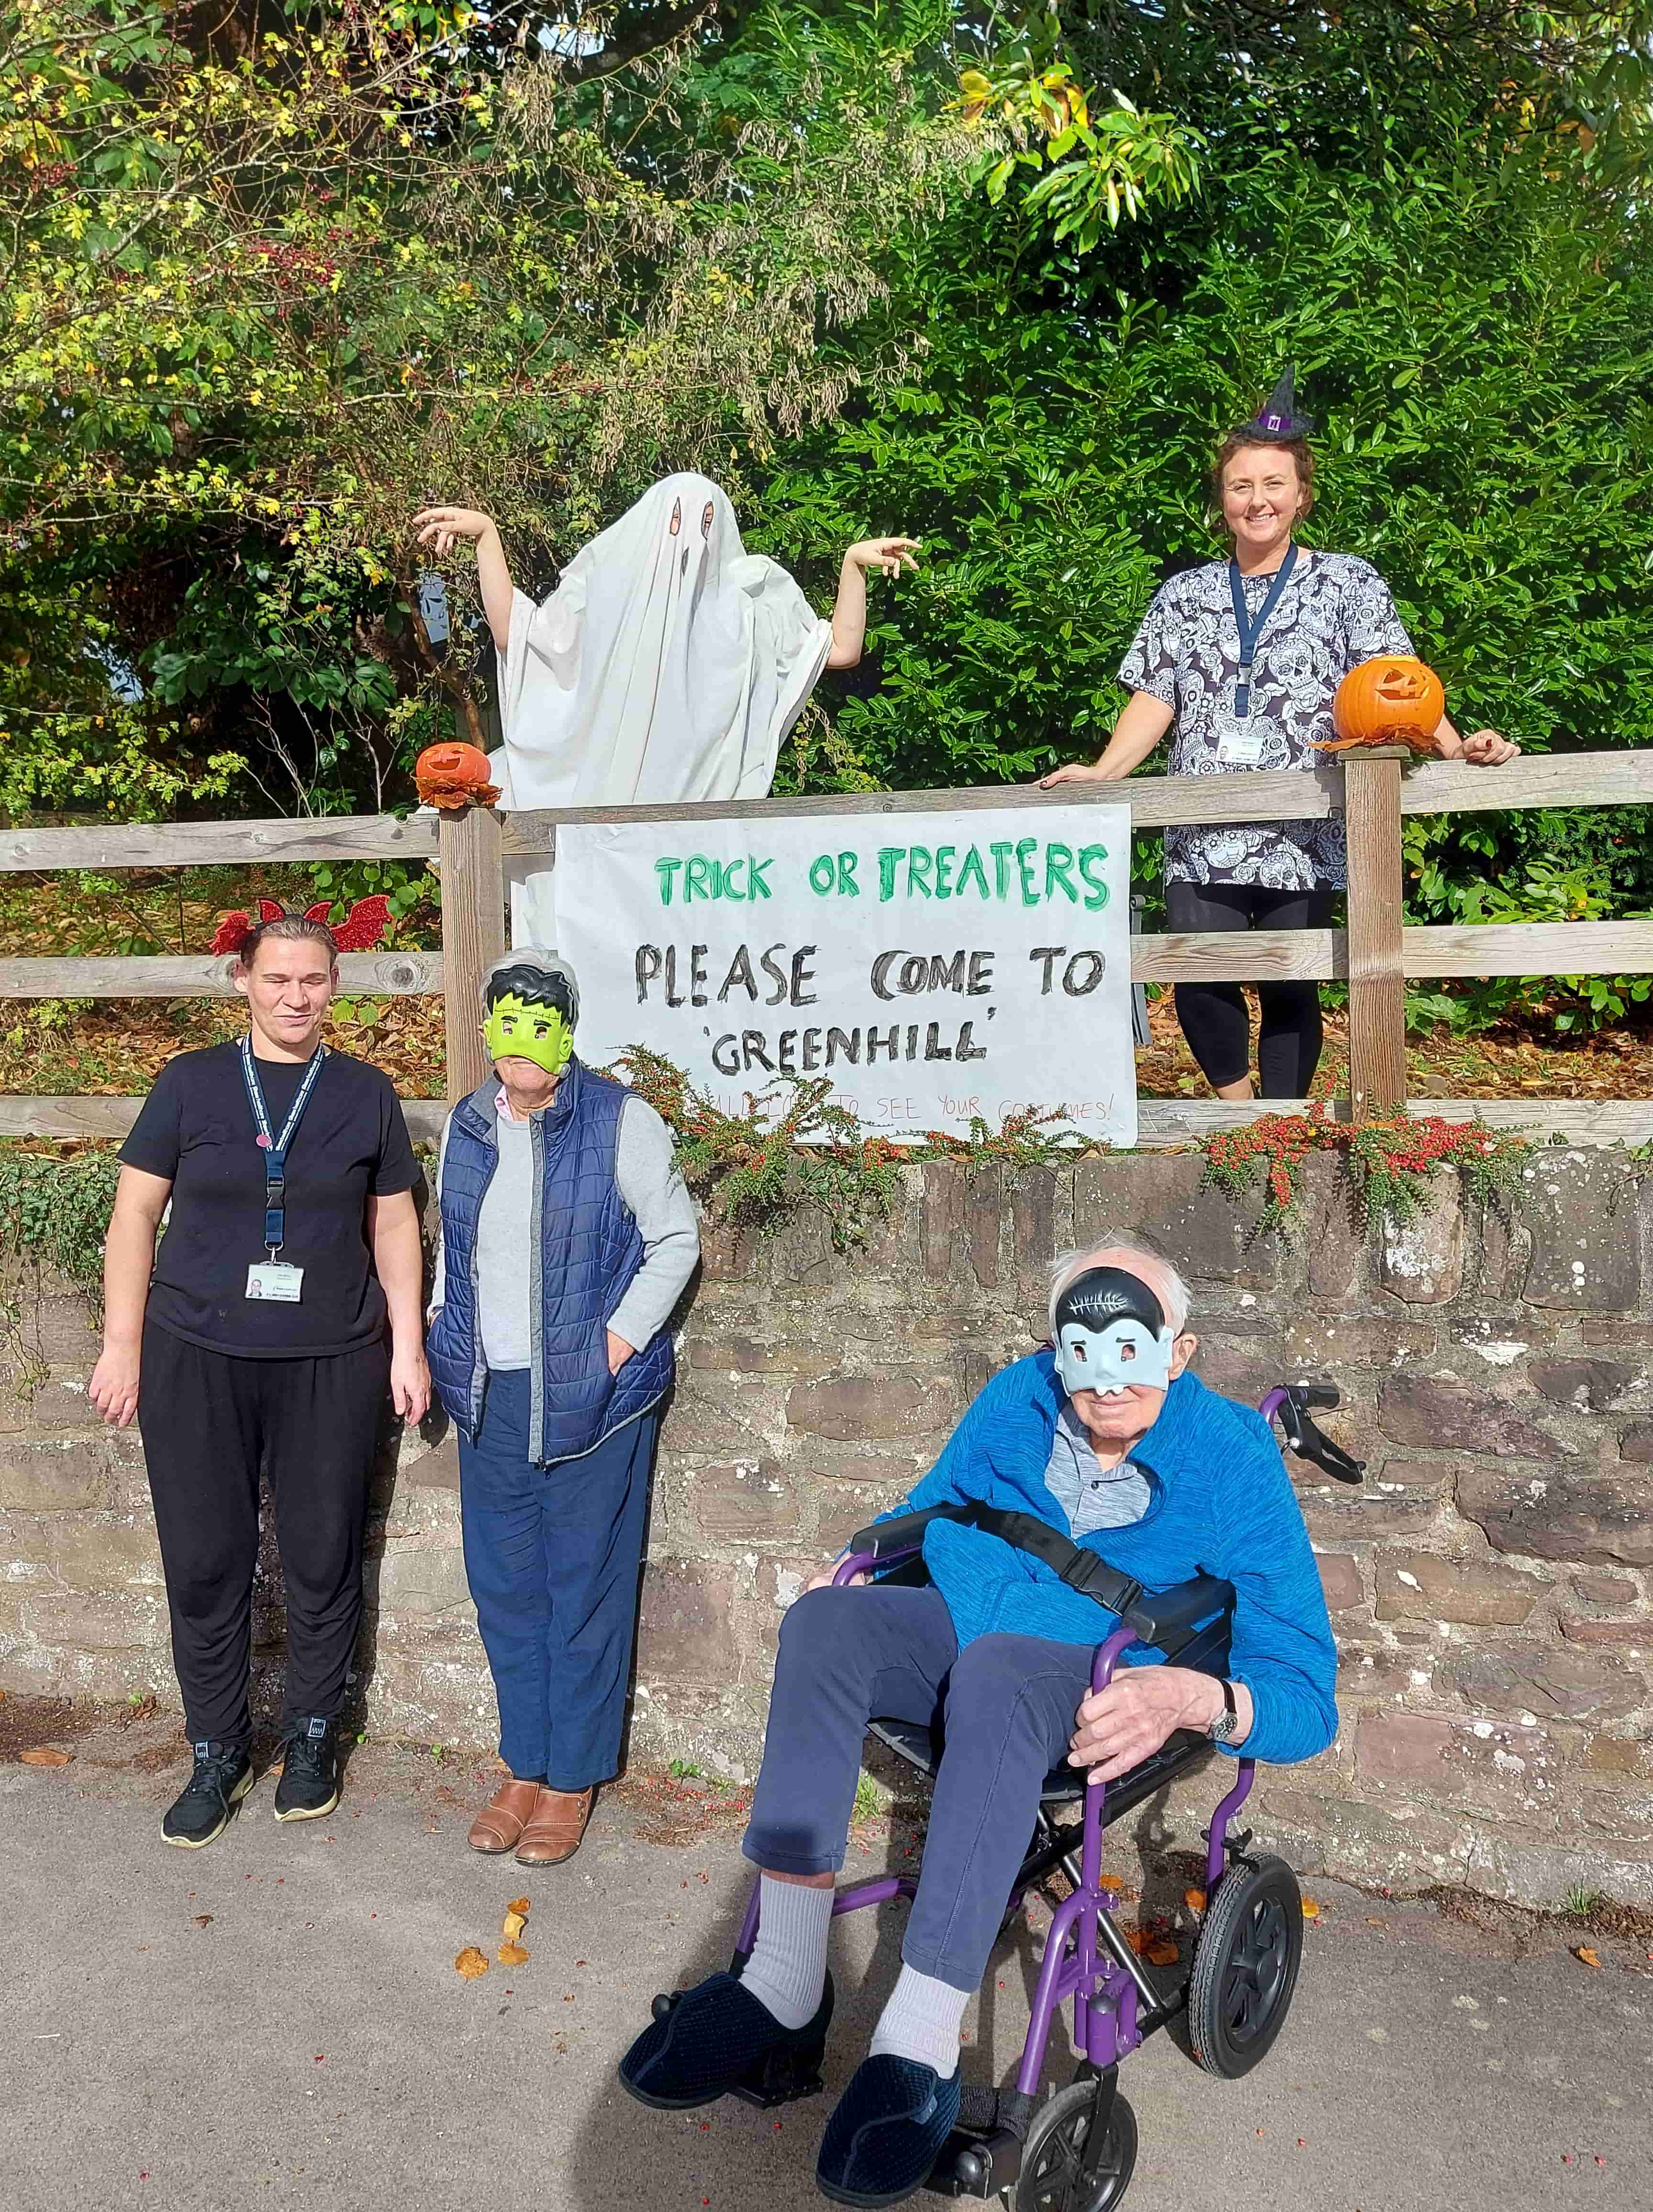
{"x":473,"y":936}
{"x":1377,"y":998}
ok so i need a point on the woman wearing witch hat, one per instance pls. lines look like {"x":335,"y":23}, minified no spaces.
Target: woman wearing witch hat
{"x":1239,"y":661}
{"x":269,"y":1335}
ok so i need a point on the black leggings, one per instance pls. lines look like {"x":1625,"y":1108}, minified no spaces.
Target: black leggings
{"x":1213,"y":1016}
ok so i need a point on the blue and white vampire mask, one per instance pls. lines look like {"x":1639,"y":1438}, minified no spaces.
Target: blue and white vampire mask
{"x":1112,"y":1333}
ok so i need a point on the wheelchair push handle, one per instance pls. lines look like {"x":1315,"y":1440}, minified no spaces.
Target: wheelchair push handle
{"x":1288,"y":1403}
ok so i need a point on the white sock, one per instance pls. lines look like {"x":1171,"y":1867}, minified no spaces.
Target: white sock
{"x":921,"y":2022}
{"x":786,"y":1971}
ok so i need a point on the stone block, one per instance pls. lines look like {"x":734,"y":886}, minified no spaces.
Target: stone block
{"x":744,"y":1497}
{"x":687,"y":1631}
{"x":1618,"y":1754}
{"x":1315,"y":1345}
{"x":1423,"y":1262}
{"x":95,"y":1551}
{"x":1588,"y":1385}
{"x":1586,"y":1253}
{"x":60,"y":1404}
{"x":983,"y":1214}
{"x":421,"y":1580}
{"x":1551,"y":1680}
{"x":1033,"y":1223}
{"x":703,"y":1418}
{"x":1605,"y":1590}
{"x":728,"y":1254}
{"x":53,"y":1478}
{"x":124,"y":1621}
{"x":944,"y":1213}
{"x":1398,"y":1497}
{"x":1242,"y":1369}
{"x":1636,"y":1443}
{"x":1594,"y":1520}
{"x":1164,"y":1197}
{"x":1337,"y":1239}
{"x":1617,"y":1334}
{"x":1416,"y":1409}
{"x":60,"y":1326}
{"x":1474,"y":1593}
{"x":1633,"y":1636}
{"x":851,"y":1408}
{"x":1503,"y":1772}
{"x":719,"y":1356}
{"x":1340,"y":1579}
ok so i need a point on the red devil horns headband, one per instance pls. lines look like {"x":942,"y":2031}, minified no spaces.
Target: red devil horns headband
{"x":362,"y":927}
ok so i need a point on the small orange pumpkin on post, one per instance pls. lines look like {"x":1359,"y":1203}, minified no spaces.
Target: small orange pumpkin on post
{"x":453,"y":777}
{"x":1391,"y":701}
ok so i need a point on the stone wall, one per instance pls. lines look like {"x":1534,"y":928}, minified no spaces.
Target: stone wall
{"x":1490,"y":1584}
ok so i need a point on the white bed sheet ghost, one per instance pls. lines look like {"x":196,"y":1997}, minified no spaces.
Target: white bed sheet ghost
{"x":667,"y":666}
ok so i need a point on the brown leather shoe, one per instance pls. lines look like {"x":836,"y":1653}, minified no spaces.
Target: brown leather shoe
{"x":505,"y":1816}
{"x":554,"y":1827}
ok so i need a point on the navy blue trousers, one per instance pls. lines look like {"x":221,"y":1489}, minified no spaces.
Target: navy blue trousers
{"x":1008,"y":1704}
{"x":553,"y":1556}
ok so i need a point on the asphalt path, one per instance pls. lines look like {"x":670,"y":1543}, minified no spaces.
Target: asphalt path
{"x":277,"y":2020}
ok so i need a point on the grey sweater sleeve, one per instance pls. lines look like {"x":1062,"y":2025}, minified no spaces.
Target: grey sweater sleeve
{"x":651,"y":1182}
{"x":438,"y":1280}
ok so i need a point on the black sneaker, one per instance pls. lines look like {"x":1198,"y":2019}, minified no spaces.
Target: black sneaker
{"x":309,"y":1784}
{"x":221,"y":1778}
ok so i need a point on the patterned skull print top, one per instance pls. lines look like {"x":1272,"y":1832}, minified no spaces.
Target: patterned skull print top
{"x":1334,"y":612}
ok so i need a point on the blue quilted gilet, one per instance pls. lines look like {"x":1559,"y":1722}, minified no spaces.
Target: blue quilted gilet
{"x":587,"y":1251}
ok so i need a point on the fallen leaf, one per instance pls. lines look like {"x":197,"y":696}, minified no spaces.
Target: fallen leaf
{"x":43,"y":1756}
{"x":518,"y":1904}
{"x":1161,"y":1955}
{"x":1371,"y":1922}
{"x":1111,"y":1883}
{"x":512,"y":1954}
{"x":1310,"y":1910}
{"x":203,"y":1920}
{"x":513,"y":1924}
{"x":471,"y":1963}
{"x":1194,"y":1900}
{"x":1586,"y":1957}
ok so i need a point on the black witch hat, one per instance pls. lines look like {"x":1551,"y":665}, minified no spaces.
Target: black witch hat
{"x":1275,"y":422}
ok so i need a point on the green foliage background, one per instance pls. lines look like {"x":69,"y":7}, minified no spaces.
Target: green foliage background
{"x":1443,"y":221}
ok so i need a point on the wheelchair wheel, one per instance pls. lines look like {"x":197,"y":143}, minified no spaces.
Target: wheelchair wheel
{"x":1054,"y":2177}
{"x":1246,"y":1965}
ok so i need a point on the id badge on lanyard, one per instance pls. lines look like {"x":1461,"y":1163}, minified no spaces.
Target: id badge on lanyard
{"x":273,"y":1279}
{"x":1240,"y":740}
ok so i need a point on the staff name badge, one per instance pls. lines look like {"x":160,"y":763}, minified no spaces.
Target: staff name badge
{"x":1240,"y":744}
{"x":275,"y":1279}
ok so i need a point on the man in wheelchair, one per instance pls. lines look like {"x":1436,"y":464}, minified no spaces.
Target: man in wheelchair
{"x":1101,"y":1442}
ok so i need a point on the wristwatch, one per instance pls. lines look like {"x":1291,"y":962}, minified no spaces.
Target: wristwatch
{"x":1222,"y":1729}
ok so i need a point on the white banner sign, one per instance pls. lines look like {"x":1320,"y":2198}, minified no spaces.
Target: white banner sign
{"x":935,"y":966}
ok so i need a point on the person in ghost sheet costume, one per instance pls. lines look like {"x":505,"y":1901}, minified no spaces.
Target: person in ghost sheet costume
{"x":667,"y":666}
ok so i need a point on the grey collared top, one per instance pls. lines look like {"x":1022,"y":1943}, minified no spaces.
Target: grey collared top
{"x":1093,"y":1497}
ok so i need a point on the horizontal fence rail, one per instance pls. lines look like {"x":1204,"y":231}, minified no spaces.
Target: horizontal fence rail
{"x":1157,"y":802}
{"x":1264,"y":955}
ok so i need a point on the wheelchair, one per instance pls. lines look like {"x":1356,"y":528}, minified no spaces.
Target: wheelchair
{"x":1075,"y":2152}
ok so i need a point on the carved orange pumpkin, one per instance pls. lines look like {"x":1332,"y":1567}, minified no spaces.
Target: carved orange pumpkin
{"x":1394,"y":699}
{"x":451,"y":776}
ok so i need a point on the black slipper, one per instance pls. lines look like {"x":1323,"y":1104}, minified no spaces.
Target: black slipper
{"x":708,"y":2040}
{"x":887,"y":2133}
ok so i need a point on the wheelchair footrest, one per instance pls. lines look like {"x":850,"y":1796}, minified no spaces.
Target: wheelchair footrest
{"x":782,"y":2078}
{"x":976,"y":2166}
{"x":983,"y":2154}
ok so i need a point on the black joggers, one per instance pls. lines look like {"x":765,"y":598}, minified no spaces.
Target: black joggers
{"x":210,"y":1423}
{"x":1213,"y":1016}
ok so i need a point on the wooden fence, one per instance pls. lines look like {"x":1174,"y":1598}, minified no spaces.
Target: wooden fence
{"x":1376,"y":953}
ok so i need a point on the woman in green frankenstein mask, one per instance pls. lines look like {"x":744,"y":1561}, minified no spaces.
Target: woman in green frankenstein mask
{"x":567,"y":1238}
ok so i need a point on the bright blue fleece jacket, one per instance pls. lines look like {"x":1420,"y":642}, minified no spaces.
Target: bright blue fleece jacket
{"x":1221,"y":1504}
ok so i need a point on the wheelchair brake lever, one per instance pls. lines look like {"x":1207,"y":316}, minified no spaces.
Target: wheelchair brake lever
{"x":1310,"y":1445}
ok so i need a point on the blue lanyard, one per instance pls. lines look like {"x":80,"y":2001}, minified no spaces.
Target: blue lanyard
{"x":275,"y":1148}
{"x":1251,"y":631}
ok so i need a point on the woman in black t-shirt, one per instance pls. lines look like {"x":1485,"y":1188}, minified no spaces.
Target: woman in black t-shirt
{"x":255,"y":1339}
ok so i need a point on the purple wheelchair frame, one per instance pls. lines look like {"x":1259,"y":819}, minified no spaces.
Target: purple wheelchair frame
{"x":1099,"y":1972}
